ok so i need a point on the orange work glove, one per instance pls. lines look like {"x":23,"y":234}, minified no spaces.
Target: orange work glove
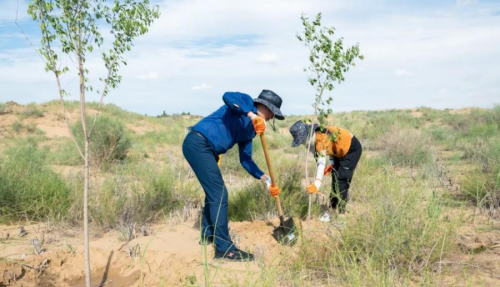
{"x":274,"y":190}
{"x":328,"y":169}
{"x":259,"y":124}
{"x":312,"y":189}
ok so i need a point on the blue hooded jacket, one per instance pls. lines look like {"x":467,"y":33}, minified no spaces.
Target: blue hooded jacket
{"x":230,"y":125}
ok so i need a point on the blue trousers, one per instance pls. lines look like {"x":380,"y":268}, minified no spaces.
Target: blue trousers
{"x":203,"y":160}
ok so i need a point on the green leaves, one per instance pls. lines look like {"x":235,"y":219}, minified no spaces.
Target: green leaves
{"x":77,"y":27}
{"x":328,"y":58}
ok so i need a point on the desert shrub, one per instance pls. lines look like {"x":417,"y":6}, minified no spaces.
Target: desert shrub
{"x":17,"y":126}
{"x":405,"y":147}
{"x":483,"y":189}
{"x":3,"y":109}
{"x":109,"y":142}
{"x":134,"y":196}
{"x":29,"y":189}
{"x":31,"y":111}
{"x":31,"y":128}
{"x":482,"y":184}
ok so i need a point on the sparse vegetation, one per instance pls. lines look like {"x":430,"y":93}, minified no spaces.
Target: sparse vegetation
{"x":398,"y":230}
{"x":17,"y":126}
{"x":31,"y":111}
{"x":3,"y":109}
{"x":405,"y":147}
{"x":109,"y":142}
{"x":30,"y":190}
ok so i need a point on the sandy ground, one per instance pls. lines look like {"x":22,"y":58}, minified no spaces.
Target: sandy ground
{"x":170,"y":256}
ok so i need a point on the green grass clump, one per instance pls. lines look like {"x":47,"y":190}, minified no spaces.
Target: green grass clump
{"x":17,"y":126}
{"x":134,"y":195}
{"x":405,"y":147}
{"x":3,"y":109}
{"x":483,"y":189}
{"x":109,"y":142}
{"x":31,"y":111}
{"x":482,"y":182}
{"x":29,"y":189}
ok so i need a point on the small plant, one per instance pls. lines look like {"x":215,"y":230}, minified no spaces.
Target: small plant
{"x":3,"y":109}
{"x":405,"y":147}
{"x":31,"y":128}
{"x":31,"y":111}
{"x":329,"y":61}
{"x":109,"y":142}
{"x":17,"y":126}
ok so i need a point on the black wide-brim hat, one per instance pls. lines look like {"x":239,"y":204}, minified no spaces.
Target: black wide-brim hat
{"x":272,"y":101}
{"x":300,"y":131}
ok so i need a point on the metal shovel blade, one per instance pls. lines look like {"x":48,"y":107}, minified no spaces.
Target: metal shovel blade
{"x":285,"y":232}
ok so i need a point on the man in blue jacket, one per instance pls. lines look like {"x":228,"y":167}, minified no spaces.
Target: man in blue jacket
{"x":236,"y":122}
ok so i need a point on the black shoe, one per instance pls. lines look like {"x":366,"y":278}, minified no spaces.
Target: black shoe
{"x":234,"y":255}
{"x":209,"y":240}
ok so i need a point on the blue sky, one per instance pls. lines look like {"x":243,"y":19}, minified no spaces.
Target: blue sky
{"x":440,"y":53}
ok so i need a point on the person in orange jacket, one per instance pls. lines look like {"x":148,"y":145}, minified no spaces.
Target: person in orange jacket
{"x":343,"y":150}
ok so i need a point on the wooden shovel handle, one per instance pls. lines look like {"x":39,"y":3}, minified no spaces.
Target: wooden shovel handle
{"x":271,"y":173}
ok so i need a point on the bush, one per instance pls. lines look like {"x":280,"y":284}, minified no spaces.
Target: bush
{"x":483,"y":189}
{"x":108,"y":141}
{"x":31,"y":111}
{"x":133,"y":197}
{"x":405,"y":147}
{"x":3,"y":109}
{"x":29,"y":189}
{"x":17,"y":126}
{"x":482,"y":185}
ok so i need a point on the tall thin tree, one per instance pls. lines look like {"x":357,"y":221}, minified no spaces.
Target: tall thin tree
{"x":75,"y":28}
{"x":328,"y":63}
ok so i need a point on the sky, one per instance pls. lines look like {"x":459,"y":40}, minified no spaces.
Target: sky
{"x":433,"y":53}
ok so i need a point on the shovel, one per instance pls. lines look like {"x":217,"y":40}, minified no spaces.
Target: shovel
{"x":285,"y":232}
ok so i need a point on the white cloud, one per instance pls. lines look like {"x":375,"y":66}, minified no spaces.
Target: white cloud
{"x":465,"y":2}
{"x":202,"y":87}
{"x":443,"y":91}
{"x":226,"y":43}
{"x":270,"y":59}
{"x":149,"y":76}
{"x":403,"y":73}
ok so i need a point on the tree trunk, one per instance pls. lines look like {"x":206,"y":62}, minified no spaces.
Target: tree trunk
{"x":86,"y":213}
{"x":83,"y":114}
